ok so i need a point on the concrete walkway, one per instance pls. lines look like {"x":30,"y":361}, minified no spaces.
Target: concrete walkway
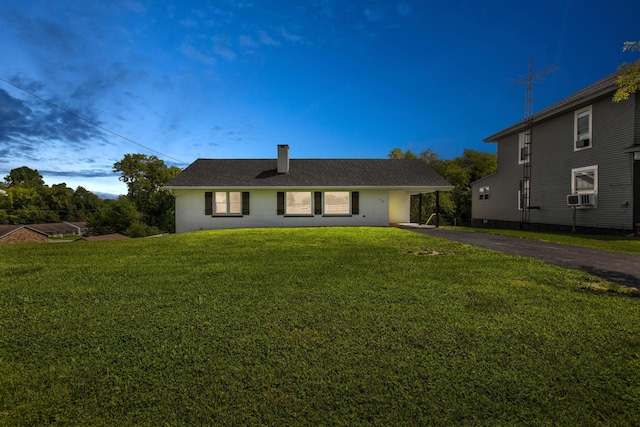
{"x":612,"y":266}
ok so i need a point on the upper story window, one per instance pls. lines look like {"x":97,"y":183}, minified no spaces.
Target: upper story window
{"x":228,"y":203}
{"x":582,"y":129}
{"x":484,"y":193}
{"x":524,"y":147}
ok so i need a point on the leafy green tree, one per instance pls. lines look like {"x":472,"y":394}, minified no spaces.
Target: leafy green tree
{"x":116,"y":216}
{"x":629,"y":80}
{"x":84,"y":204}
{"x":26,"y":177}
{"x":59,"y":199}
{"x":455,"y":206}
{"x":397,"y":153}
{"x":145,"y":176}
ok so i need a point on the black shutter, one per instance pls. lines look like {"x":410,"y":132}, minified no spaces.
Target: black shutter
{"x":355,"y":203}
{"x":280,"y":202}
{"x":208,"y":203}
{"x":318,"y":202}
{"x":245,"y":203}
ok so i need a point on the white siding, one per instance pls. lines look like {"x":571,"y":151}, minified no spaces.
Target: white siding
{"x":190,"y":215}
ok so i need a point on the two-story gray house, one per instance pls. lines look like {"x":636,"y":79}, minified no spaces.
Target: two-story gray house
{"x":578,"y":169}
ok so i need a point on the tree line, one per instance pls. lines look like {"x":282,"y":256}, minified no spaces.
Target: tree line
{"x":455,"y":206}
{"x":145,"y":210}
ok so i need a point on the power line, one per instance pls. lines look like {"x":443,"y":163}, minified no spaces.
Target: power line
{"x":91,"y":122}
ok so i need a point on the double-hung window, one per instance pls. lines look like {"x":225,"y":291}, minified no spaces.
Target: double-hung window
{"x":524,"y":194}
{"x":228,"y":203}
{"x":584,"y":184}
{"x":524,"y":147}
{"x":584,"y":180}
{"x":484,"y":193}
{"x":582,"y":129}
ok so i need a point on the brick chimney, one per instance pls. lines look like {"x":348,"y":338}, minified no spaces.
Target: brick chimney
{"x":283,"y":159}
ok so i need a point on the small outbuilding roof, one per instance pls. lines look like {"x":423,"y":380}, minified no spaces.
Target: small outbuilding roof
{"x":310,"y":173}
{"x":5,"y":230}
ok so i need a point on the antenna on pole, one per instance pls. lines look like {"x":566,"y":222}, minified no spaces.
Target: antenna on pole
{"x":525,"y":142}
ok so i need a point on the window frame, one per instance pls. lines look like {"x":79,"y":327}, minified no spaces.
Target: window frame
{"x":576,"y":136}
{"x":324,"y":204}
{"x":521,"y":146}
{"x":227,"y":202}
{"x":287,"y":206}
{"x":484,"y":192}
{"x":575,"y":171}
{"x":525,"y":187}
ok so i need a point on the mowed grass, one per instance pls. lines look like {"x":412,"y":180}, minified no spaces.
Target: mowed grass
{"x":629,"y":245}
{"x":331,"y":326}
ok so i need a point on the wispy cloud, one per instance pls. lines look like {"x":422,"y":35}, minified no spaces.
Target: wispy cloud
{"x":188,"y":23}
{"x":193,"y":53}
{"x":222,"y":48}
{"x":247,"y":41}
{"x":265,"y":39}
{"x":289,"y":36}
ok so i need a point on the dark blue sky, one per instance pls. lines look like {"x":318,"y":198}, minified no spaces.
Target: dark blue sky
{"x":234,"y":78}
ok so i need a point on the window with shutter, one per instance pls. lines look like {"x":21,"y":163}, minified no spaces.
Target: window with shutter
{"x":208,"y":203}
{"x":280,"y":208}
{"x":245,"y":203}
{"x":318,"y":202}
{"x":355,"y":203}
{"x":336,"y":203}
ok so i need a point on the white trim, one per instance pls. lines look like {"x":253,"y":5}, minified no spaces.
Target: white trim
{"x":527,"y":187}
{"x":584,"y":169}
{"x":588,"y":135}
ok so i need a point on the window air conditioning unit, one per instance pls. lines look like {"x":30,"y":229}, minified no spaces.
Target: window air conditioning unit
{"x":583,"y":143}
{"x":577,"y":200}
{"x":588,"y":199}
{"x":573,"y":200}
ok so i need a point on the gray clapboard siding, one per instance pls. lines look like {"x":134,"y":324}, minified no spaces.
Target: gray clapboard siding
{"x":615,"y":127}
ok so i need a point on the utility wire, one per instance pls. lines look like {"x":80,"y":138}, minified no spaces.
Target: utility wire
{"x":91,"y":122}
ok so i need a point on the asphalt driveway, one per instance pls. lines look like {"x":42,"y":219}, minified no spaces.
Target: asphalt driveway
{"x":612,"y":266}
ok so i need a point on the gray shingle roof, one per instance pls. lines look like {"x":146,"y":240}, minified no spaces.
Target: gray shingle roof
{"x":353,"y":173}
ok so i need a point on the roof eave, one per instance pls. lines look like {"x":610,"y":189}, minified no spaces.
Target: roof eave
{"x":413,"y":188}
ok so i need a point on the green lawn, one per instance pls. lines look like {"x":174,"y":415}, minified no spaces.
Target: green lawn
{"x":629,"y":245}
{"x":332,"y":326}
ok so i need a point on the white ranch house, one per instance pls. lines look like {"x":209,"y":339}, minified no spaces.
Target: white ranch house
{"x":283,"y":192}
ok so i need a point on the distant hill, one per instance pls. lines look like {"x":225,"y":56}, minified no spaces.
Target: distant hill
{"x":105,"y":196}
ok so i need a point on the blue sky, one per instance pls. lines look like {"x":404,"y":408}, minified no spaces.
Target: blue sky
{"x":234,"y":78}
